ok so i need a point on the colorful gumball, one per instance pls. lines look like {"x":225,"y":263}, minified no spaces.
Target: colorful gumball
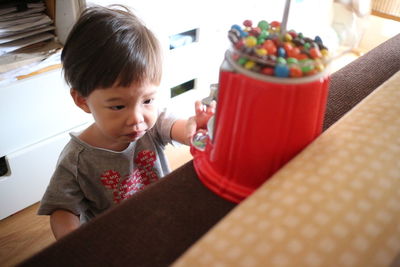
{"x":262,"y":48}
{"x":247,"y":23}
{"x":295,"y":71}
{"x":282,"y":70}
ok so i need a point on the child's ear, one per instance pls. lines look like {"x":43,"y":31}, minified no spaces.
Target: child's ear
{"x":79,"y":100}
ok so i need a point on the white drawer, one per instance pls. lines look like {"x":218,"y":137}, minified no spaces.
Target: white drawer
{"x":30,"y":170}
{"x":34,"y":109}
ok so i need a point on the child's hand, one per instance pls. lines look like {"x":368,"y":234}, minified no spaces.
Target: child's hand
{"x":203,"y":114}
{"x":200,"y":120}
{"x":183,"y":130}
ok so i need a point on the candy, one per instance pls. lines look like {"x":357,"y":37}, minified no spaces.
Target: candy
{"x":282,"y":70}
{"x":262,"y":48}
{"x":318,"y":39}
{"x":275,"y":24}
{"x":292,"y":60}
{"x":281,"y":60}
{"x":288,"y":37}
{"x":264,"y":25}
{"x":281,"y":52}
{"x":247,"y":23}
{"x":267,"y":71}
{"x":242,"y":61}
{"x":250,"y":41}
{"x":261,"y":52}
{"x":315,"y":53}
{"x":295,"y":71}
{"x":249,"y":65}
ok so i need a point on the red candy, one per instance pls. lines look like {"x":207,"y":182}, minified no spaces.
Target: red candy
{"x":294,"y":52}
{"x":255,"y":31}
{"x":293,"y":34}
{"x":270,"y":46}
{"x":301,"y":56}
{"x":295,"y":72}
{"x":247,"y":23}
{"x":239,"y":44}
{"x":315,"y":53}
{"x":267,"y":71}
{"x":288,"y":47}
{"x":275,"y":24}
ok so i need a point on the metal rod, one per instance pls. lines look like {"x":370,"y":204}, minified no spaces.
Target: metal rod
{"x":285,"y":17}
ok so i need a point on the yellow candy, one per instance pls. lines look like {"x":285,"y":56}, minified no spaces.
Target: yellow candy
{"x":250,"y":41}
{"x":319,"y":66}
{"x":324,"y":52}
{"x":261,"y":52}
{"x":249,"y":64}
{"x":288,"y":37}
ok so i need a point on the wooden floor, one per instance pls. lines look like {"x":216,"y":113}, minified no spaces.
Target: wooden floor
{"x":22,"y":235}
{"x":25,"y":233}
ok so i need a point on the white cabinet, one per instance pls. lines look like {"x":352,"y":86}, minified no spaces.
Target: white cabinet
{"x":30,"y":169}
{"x":36,"y":115}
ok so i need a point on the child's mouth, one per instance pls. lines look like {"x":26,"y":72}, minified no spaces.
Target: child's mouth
{"x":136,"y":135}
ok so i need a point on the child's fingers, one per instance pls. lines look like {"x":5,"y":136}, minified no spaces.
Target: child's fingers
{"x":198,"y":107}
{"x":211,"y":108}
{"x":191,"y":127}
{"x":201,"y":108}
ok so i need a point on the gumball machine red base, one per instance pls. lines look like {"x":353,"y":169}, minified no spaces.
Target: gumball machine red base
{"x":261,"y":122}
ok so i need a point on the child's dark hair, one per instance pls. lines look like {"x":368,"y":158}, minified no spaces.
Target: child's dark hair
{"x":110,"y":46}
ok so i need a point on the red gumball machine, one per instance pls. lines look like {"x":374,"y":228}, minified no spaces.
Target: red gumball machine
{"x":273,"y":87}
{"x":260,"y":123}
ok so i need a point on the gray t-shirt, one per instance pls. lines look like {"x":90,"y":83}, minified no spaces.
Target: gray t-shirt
{"x":90,"y":180}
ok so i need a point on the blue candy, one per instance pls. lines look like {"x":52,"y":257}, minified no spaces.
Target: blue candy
{"x":239,"y":29}
{"x":318,"y":39}
{"x":282,"y":70}
{"x":236,"y":27}
{"x":281,"y":52}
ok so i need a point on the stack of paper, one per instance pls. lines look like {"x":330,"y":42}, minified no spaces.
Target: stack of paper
{"x":22,"y":36}
{"x":19,"y":29}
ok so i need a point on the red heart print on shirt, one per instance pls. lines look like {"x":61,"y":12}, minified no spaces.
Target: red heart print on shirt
{"x":140,"y":177}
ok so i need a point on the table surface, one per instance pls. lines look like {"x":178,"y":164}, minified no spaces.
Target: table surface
{"x":335,"y":204}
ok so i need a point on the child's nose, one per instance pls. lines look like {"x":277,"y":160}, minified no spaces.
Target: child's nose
{"x":135,"y":117}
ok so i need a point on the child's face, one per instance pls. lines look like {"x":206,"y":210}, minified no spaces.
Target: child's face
{"x":123,"y":114}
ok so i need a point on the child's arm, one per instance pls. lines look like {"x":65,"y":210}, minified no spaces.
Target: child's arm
{"x":63,"y":222}
{"x":183,"y":130}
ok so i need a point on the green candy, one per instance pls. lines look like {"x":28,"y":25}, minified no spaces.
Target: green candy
{"x":281,"y":60}
{"x":305,"y":62}
{"x":292,"y":60}
{"x":263,"y":25}
{"x":264,"y":34}
{"x":307,"y":68}
{"x":260,"y":40}
{"x":242,"y":61}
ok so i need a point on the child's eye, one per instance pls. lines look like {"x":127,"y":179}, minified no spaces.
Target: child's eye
{"x":119,"y":107}
{"x":148,"y":101}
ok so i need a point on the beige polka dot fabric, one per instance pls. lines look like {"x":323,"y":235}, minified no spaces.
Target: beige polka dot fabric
{"x":336,"y":204}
